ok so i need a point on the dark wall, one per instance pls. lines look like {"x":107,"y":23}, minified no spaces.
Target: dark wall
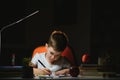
{"x":13,"y":37}
{"x":92,"y":26}
{"x":72,"y":18}
{"x":65,"y":12}
{"x":105,"y":32}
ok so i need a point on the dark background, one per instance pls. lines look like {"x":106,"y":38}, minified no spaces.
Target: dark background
{"x":92,"y":27}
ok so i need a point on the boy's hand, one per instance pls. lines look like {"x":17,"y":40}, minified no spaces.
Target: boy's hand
{"x":41,"y":71}
{"x":62,"y":72}
{"x":46,"y":71}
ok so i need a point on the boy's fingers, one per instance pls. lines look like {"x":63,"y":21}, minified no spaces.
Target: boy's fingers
{"x":47,"y":71}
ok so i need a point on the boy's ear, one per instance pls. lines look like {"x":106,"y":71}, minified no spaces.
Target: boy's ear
{"x":46,"y":45}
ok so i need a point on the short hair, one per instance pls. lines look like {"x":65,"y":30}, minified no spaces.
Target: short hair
{"x":58,"y":40}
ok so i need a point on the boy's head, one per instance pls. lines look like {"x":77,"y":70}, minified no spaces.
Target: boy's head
{"x":56,"y":44}
{"x":58,"y":40}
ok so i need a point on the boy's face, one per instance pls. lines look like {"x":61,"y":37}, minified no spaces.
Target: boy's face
{"x":52,"y":55}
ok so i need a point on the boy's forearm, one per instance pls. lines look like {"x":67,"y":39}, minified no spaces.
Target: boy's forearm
{"x":62,"y":72}
{"x":37,"y":72}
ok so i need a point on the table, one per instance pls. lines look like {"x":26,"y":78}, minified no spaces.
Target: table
{"x":17,"y":73}
{"x":62,"y":78}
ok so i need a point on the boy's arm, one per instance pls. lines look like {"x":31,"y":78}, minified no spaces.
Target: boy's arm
{"x":62,"y":72}
{"x":32,"y":65}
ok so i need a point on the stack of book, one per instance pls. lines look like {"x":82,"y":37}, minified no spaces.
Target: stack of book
{"x":90,"y":70}
{"x":95,"y":70}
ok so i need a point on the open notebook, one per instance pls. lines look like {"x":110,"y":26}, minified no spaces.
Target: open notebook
{"x":52,"y":76}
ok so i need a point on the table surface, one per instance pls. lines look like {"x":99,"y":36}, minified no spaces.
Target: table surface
{"x":64,"y":78}
{"x":86,"y":74}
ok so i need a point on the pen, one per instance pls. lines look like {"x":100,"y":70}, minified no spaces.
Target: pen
{"x":41,"y":63}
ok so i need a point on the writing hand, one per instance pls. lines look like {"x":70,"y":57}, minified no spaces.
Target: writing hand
{"x":41,"y":71}
{"x":46,"y":71}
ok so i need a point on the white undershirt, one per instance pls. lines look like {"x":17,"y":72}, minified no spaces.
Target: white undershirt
{"x":53,"y":67}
